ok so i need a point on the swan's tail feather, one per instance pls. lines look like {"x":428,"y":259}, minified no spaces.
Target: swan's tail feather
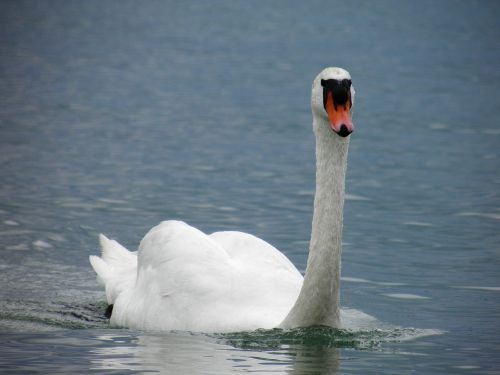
{"x":101,"y":268}
{"x":115,"y":254}
{"x":116,"y":268}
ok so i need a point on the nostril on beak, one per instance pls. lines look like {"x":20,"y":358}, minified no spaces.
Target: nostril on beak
{"x":344,"y":131}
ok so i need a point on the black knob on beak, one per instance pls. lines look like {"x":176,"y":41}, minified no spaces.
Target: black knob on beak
{"x":344,"y":131}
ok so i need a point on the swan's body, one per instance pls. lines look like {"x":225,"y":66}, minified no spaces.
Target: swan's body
{"x":186,"y":280}
{"x":183,"y":279}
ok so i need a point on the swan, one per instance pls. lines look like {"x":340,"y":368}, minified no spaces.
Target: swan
{"x":182,"y":279}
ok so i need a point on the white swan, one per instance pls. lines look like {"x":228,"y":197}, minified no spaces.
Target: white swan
{"x":183,"y":279}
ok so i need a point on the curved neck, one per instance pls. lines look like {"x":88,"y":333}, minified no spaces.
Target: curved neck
{"x":318,"y":301}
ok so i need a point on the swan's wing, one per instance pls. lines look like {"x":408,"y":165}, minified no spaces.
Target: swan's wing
{"x":268,"y":283}
{"x":249,"y":249}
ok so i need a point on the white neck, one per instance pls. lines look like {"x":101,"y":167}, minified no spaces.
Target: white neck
{"x":319,"y":299}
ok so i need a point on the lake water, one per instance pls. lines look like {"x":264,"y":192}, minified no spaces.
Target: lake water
{"x":116,"y":115}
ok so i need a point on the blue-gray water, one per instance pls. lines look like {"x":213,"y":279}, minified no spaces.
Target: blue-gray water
{"x":116,"y":115}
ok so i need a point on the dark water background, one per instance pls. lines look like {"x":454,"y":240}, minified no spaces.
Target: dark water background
{"x":116,"y":115}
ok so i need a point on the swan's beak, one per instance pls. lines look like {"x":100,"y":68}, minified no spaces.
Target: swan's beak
{"x":339,"y":116}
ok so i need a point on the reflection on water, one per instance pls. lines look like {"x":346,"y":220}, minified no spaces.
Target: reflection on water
{"x":182,"y":353}
{"x":167,"y":352}
{"x":300,"y":351}
{"x":267,"y":352}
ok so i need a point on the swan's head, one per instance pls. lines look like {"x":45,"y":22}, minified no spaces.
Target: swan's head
{"x":332,"y":99}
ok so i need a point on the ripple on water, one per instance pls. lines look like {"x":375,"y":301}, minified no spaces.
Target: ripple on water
{"x":11,"y":222}
{"x":493,"y":216}
{"x":405,"y":296}
{"x":484,"y":288}
{"x":40,"y":244}
{"x":418,"y":224}
{"x":352,"y":197}
{"x":34,"y":316}
{"x":365,"y":281}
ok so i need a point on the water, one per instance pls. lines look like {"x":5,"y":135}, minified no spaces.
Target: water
{"x":117,"y":115}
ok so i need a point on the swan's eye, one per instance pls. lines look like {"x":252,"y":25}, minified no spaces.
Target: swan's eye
{"x":346,"y":82}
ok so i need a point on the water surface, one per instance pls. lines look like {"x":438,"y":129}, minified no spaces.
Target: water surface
{"x":117,"y":115}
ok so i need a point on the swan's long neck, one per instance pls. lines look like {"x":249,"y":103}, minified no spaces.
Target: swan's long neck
{"x":318,"y":301}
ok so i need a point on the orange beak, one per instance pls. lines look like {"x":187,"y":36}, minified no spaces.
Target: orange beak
{"x":339,"y":116}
